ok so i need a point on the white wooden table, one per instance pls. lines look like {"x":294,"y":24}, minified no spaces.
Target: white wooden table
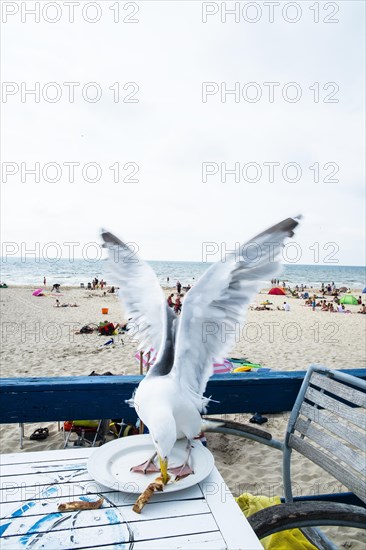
{"x":33,"y":484}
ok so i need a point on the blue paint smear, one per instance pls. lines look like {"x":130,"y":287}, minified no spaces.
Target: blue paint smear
{"x":4,"y":528}
{"x":23,"y":509}
{"x":20,"y":511}
{"x":35,"y":527}
{"x":112,"y":516}
{"x":49,"y":491}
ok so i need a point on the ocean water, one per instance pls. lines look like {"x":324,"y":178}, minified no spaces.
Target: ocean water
{"x":30,"y":271}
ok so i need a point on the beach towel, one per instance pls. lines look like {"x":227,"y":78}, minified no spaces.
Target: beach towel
{"x":292,"y":538}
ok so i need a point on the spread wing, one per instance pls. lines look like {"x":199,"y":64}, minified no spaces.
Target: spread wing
{"x":214,"y":311}
{"x":140,"y":293}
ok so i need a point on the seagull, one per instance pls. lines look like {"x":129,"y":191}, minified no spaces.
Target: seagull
{"x":170,"y":398}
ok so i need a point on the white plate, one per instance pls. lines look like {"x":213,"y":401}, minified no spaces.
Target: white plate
{"x":110,"y":464}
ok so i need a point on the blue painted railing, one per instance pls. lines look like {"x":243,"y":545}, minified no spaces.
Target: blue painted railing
{"x":94,"y":397}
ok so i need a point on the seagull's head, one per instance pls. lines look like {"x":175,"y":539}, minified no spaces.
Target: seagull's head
{"x":163,"y":432}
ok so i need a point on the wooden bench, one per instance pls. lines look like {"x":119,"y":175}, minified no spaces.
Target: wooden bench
{"x":328,"y":426}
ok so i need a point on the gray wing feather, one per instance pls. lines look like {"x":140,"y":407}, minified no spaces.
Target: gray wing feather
{"x":140,"y":293}
{"x":215,"y":308}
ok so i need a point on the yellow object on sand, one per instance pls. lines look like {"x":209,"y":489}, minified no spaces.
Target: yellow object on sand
{"x":291,"y":539}
{"x":242,"y":369}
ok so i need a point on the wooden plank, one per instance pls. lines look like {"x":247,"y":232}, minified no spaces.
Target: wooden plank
{"x":94,"y":536}
{"x":63,"y":455}
{"x":17,"y":490}
{"x":353,"y":395}
{"x":348,"y":413}
{"x":333,"y":424}
{"x":9,"y":470}
{"x":203,"y":541}
{"x":45,"y":479}
{"x":45,"y":515}
{"x":353,"y":483}
{"x":335,"y":446}
{"x":231,"y":521}
{"x":49,"y":399}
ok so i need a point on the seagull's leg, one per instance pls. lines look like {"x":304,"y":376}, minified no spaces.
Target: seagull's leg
{"x":146,"y":467}
{"x":184,"y":470}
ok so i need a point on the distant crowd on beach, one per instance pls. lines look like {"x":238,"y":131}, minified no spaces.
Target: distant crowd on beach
{"x":335,"y":306}
{"x":96,"y":284}
{"x":330,"y":298}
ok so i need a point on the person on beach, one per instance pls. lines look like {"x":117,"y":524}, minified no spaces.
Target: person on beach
{"x":313,"y":303}
{"x":286,"y":306}
{"x":170,"y":300}
{"x":179,"y":287}
{"x":44,"y":281}
{"x":177,"y":305}
{"x":56,"y":287}
{"x":362,"y":309}
{"x":342,"y":309}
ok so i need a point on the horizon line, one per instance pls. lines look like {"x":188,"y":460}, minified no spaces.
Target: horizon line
{"x":54,"y":260}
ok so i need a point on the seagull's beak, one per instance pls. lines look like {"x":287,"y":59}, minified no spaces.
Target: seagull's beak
{"x":164,"y":469}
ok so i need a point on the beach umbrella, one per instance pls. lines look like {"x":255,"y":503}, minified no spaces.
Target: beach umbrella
{"x":349,"y":299}
{"x":38,"y":292}
{"x":364,"y":290}
{"x":278,"y":291}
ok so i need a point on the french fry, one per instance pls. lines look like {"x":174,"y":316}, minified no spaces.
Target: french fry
{"x":80,"y":505}
{"x":156,"y":485}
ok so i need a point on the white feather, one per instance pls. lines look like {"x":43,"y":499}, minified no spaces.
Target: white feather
{"x":214,"y":310}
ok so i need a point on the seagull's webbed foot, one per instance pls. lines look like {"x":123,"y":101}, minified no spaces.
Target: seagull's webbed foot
{"x":146,"y":467}
{"x":181,"y":471}
{"x":184,"y":470}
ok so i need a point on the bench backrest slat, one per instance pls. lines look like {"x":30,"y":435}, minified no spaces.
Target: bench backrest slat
{"x":334,"y":424}
{"x":335,"y":446}
{"x":328,"y":426}
{"x":352,"y":395}
{"x":337,"y":407}
{"x":349,"y":479}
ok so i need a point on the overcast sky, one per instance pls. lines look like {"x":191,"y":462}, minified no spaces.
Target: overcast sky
{"x":170,"y":124}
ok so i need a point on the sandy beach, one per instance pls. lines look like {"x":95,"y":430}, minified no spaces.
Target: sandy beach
{"x":38,"y":339}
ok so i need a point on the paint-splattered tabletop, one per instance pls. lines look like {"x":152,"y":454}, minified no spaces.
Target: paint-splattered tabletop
{"x":34,"y":484}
